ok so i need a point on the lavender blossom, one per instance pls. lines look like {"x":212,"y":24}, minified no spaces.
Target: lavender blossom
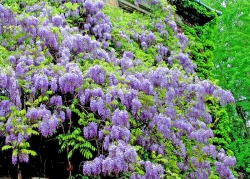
{"x":90,"y":131}
{"x":57,"y":20}
{"x":97,"y":74}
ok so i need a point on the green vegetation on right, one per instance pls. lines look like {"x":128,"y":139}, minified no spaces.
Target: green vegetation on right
{"x":232,"y":68}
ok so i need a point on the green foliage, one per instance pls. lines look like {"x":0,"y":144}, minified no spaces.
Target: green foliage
{"x":199,"y":11}
{"x":79,"y":176}
{"x":232,"y":70}
{"x":75,"y":141}
{"x":20,"y":125}
{"x":202,"y":47}
{"x":221,"y":123}
{"x":240,"y":145}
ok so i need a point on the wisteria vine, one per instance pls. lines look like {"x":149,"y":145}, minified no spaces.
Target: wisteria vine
{"x":70,"y":58}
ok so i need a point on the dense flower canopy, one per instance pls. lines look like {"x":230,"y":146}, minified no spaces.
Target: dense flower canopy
{"x":68,"y":60}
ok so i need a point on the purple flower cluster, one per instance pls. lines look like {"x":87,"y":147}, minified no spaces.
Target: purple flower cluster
{"x":41,"y":82}
{"x":47,"y":122}
{"x":94,"y":167}
{"x":202,"y":135}
{"x":152,"y":171}
{"x":183,"y":40}
{"x":14,"y":137}
{"x":57,"y":20}
{"x":71,"y":80}
{"x":96,"y":22}
{"x":96,"y":73}
{"x":22,"y":157}
{"x":222,"y":167}
{"x":118,"y":132}
{"x":87,"y":94}
{"x":48,"y":125}
{"x":90,"y":131}
{"x":3,"y":80}
{"x":98,"y":105}
{"x":186,"y":63}
{"x":203,"y":169}
{"x":136,"y":106}
{"x":7,"y":17}
{"x":210,"y":150}
{"x":160,"y":26}
{"x":9,"y":85}
{"x":56,"y":100}
{"x":120,"y":118}
{"x":162,"y":50}
{"x":158,"y":148}
{"x":145,"y":39}
{"x":119,"y":160}
{"x":5,"y":107}
{"x":127,"y":61}
{"x":163,"y":124}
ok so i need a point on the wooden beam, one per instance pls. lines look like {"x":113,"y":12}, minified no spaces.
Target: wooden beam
{"x":131,"y":7}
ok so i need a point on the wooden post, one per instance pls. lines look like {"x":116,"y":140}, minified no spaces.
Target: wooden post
{"x":19,"y":175}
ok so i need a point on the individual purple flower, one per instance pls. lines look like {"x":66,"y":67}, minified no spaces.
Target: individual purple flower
{"x":14,"y":159}
{"x":173,"y":26}
{"x":3,"y":80}
{"x":118,"y":44}
{"x":170,"y":94}
{"x":12,"y":59}
{"x":144,"y":45}
{"x":106,"y":143}
{"x":53,"y":84}
{"x":62,"y":116}
{"x":136,"y":105}
{"x":68,"y":113}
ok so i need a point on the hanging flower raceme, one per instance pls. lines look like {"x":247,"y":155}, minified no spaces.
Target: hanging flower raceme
{"x":96,"y":73}
{"x":71,"y":80}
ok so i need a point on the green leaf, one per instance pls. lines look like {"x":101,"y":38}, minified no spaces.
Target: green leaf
{"x":6,"y":147}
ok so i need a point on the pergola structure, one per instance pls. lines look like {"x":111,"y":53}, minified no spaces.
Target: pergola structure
{"x":188,"y":14}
